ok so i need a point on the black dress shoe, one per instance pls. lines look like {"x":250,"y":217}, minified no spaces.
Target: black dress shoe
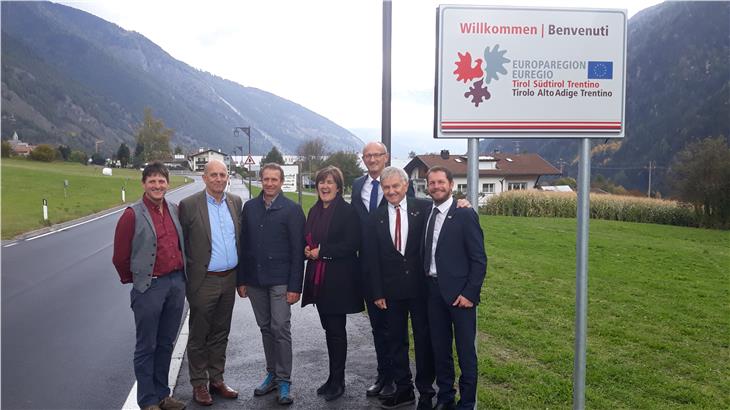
{"x":387,"y":391}
{"x":375,"y":389}
{"x":400,"y":399}
{"x":323,"y":389}
{"x":336,"y":390}
{"x":445,"y":406}
{"x":425,"y":402}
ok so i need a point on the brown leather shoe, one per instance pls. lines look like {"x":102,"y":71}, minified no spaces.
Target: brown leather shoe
{"x":202,"y":396}
{"x":222,"y":389}
{"x":170,"y":403}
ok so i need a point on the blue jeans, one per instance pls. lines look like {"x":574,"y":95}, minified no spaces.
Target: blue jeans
{"x":157,"y":316}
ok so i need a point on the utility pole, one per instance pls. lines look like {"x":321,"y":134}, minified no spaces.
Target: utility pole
{"x":651,"y":165}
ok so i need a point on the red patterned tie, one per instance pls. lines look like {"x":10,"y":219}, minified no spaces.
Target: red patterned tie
{"x":397,"y":228}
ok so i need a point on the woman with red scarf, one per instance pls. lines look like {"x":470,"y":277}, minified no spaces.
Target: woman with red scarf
{"x":332,"y":281}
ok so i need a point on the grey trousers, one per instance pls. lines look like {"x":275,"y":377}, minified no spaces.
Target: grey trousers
{"x":211,"y":309}
{"x":273,"y":315}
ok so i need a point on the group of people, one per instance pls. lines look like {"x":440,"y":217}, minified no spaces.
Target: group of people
{"x":398,"y":255}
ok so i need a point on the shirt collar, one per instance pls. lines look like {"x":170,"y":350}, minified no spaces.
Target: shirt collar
{"x":371,"y":179}
{"x":403,"y":204}
{"x":211,"y":200}
{"x":444,"y":207}
{"x":151,"y":205}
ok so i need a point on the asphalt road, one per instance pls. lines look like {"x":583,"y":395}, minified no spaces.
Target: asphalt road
{"x":67,"y":329}
{"x":68,"y":332}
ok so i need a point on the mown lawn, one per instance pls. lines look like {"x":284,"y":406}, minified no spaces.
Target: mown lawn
{"x":658,"y":315}
{"x":26,"y":183}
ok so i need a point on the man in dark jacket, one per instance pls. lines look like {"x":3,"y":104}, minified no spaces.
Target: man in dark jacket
{"x":272,"y":250}
{"x":399,"y":287}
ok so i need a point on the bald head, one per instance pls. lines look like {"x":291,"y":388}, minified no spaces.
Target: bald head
{"x":215,"y":164}
{"x":215,"y":176}
{"x":375,"y":156}
{"x":374,"y":146}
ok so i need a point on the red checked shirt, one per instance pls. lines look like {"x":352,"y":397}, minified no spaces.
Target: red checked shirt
{"x":169,"y":257}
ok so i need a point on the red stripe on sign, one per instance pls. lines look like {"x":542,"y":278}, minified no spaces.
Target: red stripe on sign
{"x":530,"y":127}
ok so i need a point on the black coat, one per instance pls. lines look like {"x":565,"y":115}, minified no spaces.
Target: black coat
{"x":341,"y":290}
{"x":392,"y":275}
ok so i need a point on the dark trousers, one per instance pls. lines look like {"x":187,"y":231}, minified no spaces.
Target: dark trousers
{"x":397,"y":316}
{"x":211,"y":309}
{"x":379,"y":324}
{"x":157,"y":315}
{"x":336,"y":335}
{"x":448,"y":323}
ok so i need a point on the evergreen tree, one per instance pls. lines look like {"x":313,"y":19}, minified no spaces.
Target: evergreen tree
{"x":64,"y":151}
{"x":138,"y":158}
{"x":123,"y":155}
{"x":348,"y":163}
{"x":273,"y":156}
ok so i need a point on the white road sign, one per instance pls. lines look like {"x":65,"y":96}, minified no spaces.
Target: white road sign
{"x":291,"y":175}
{"x":538,"y":72}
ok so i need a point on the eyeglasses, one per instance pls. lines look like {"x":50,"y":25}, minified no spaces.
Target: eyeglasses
{"x":371,"y":156}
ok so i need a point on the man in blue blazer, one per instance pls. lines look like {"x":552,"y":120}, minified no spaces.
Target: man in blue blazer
{"x":367,"y":196}
{"x":455,"y":263}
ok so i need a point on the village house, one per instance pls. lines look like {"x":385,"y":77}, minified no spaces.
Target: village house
{"x":498,"y":172}
{"x":198,"y":160}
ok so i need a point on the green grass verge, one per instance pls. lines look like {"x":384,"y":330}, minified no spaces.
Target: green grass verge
{"x":26,"y":183}
{"x":658,"y":315}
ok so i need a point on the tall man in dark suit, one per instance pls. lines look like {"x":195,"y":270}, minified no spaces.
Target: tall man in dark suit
{"x":399,"y":288}
{"x":210,"y":221}
{"x":455,"y":263}
{"x":367,"y":195}
{"x":272,"y":273}
{"x":149,"y":252}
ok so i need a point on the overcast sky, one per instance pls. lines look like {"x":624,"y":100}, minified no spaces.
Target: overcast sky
{"x":323,"y":54}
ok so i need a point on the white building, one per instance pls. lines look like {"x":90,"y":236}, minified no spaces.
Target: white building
{"x":497,"y":172}
{"x":198,"y":160}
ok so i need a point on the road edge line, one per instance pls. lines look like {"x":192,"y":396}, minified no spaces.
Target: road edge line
{"x":175,"y":364}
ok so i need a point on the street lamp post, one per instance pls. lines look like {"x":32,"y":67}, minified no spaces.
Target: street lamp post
{"x":247,"y":130}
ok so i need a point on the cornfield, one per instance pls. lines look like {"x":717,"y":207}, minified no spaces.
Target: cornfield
{"x":610,"y":207}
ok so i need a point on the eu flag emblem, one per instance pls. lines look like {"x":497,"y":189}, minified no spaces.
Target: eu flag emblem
{"x":600,"y":69}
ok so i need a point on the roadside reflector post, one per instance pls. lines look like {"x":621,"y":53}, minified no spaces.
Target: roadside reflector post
{"x":45,"y":209}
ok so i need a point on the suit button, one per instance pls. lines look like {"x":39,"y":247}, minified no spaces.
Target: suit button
{"x":407,"y":271}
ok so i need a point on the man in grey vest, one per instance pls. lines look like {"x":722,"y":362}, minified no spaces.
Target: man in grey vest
{"x":149,"y":253}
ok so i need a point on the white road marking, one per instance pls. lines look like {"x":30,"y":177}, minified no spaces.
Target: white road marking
{"x":10,"y":244}
{"x":175,"y":364}
{"x":74,"y":225}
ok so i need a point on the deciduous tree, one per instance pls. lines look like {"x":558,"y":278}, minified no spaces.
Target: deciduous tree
{"x":43,"y":152}
{"x":701,"y":175}
{"x":155,"y":138}
{"x":311,"y":154}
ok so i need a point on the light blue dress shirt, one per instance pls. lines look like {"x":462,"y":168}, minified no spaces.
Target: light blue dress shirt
{"x":222,"y":235}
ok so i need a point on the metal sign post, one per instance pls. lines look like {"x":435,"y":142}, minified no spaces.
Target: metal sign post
{"x":581,"y":275}
{"x":246,"y":130}
{"x":509,"y":72}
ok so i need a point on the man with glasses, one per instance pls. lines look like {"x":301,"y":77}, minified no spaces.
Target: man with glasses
{"x":367,"y":196}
